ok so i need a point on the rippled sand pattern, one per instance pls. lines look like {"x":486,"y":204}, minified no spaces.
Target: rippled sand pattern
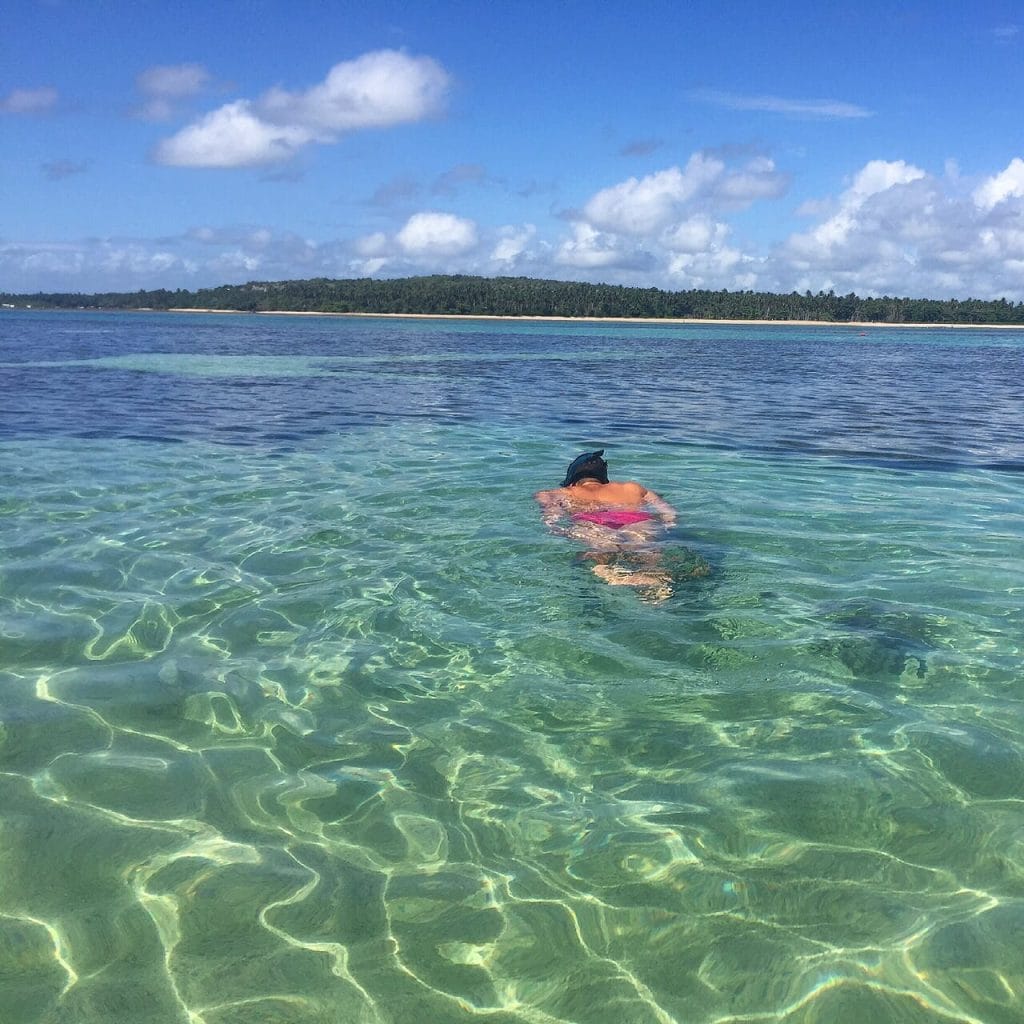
{"x":285,"y":738}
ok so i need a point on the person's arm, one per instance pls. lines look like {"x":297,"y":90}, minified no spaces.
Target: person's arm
{"x":550,"y":506}
{"x":661,"y":506}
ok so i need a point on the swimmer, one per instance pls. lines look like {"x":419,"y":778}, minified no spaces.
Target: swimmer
{"x":611,"y":517}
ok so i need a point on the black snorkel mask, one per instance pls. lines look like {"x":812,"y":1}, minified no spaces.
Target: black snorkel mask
{"x":589,"y":465}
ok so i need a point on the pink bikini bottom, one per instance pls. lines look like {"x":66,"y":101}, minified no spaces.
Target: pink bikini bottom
{"x":613,"y":518}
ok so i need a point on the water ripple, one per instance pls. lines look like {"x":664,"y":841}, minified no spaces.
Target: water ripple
{"x":341,"y":733}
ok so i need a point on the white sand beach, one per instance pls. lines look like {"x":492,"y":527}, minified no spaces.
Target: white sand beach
{"x":862,"y":324}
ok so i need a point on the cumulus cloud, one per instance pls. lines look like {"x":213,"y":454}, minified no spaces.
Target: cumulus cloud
{"x":708,"y":268}
{"x":232,"y":136}
{"x":699,"y":233}
{"x":854,"y":209}
{"x":587,"y":248}
{"x":437,"y":234}
{"x":757,"y":179}
{"x":879,"y":176}
{"x":812,"y":109}
{"x":668,"y":225}
{"x":643,"y":206}
{"x":29,"y":101}
{"x":890,"y":228}
{"x":640,"y":206}
{"x":376,"y":90}
{"x":1008,"y":184}
{"x":894,"y":229}
{"x":165,"y":86}
{"x":899,"y":230}
{"x":430,"y":240}
{"x":512,"y":246}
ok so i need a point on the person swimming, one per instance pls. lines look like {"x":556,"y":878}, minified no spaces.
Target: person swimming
{"x":613,"y":518}
{"x":587,"y":495}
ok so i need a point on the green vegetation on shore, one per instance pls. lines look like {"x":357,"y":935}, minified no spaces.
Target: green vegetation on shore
{"x":523,"y":296}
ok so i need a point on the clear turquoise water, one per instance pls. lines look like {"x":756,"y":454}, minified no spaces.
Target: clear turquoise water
{"x":305,"y":717}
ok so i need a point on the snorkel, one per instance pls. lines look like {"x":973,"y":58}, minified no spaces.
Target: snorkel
{"x":588,"y":466}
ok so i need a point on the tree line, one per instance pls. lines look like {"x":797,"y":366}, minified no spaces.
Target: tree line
{"x":523,"y":296}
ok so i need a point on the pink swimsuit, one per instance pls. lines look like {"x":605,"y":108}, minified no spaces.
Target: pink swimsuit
{"x":613,"y":518}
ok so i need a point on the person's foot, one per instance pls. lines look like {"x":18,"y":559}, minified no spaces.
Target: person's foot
{"x":653,"y":587}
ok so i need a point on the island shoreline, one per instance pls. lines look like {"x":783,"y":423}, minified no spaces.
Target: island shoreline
{"x":537,"y":318}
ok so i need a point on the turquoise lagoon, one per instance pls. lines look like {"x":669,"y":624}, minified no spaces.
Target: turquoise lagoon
{"x":305,"y":717}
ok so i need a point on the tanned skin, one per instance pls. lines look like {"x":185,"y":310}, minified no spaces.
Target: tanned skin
{"x":588,"y":494}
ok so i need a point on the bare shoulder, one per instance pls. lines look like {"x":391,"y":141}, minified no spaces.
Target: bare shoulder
{"x":548,"y":497}
{"x":635,"y":490}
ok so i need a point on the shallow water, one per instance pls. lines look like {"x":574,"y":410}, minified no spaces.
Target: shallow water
{"x":306,"y":717}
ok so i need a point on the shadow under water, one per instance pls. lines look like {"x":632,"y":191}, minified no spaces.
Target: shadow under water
{"x":877,"y":641}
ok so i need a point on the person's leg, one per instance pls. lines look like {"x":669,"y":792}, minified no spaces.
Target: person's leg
{"x":655,"y":586}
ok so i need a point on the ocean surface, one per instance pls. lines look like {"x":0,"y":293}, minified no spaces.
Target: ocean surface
{"x":306,"y":716}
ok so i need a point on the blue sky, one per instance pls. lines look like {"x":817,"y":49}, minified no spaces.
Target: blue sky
{"x":875,"y":148}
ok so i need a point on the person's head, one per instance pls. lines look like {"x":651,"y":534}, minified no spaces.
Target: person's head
{"x":588,"y":466}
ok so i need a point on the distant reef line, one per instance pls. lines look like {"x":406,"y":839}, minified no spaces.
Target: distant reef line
{"x":534,"y":298}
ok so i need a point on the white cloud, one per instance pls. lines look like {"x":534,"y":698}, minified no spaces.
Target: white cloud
{"x":879,"y":175}
{"x":92,"y":265}
{"x":758,"y":179}
{"x":895,"y":229}
{"x":368,"y":267}
{"x":437,"y":234}
{"x":589,"y":249}
{"x":815,"y":109}
{"x":898,"y":230}
{"x":640,"y":207}
{"x":375,"y":244}
{"x":707,"y":269}
{"x":376,"y":90}
{"x":233,"y":262}
{"x":512,"y":244}
{"x":200,"y":257}
{"x":248,"y":238}
{"x":232,"y":136}
{"x":664,"y":225}
{"x":29,"y":101}
{"x":1009,"y":183}
{"x":698,"y":233}
{"x":429,"y":240}
{"x":892,"y":228}
{"x":854,"y":210}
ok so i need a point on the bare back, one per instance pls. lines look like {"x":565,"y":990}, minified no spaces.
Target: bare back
{"x":594,"y":494}
{"x":621,"y":493}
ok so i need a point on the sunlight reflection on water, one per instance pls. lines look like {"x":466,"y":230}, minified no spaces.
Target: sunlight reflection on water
{"x":328,"y":727}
